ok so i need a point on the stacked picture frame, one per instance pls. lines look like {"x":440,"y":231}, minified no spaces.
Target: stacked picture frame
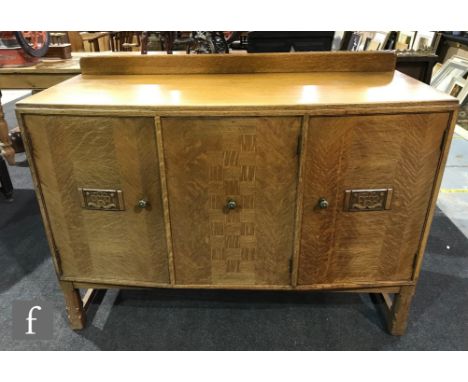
{"x":401,"y":41}
{"x":452,"y":78}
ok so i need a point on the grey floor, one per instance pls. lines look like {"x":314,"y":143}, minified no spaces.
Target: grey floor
{"x":453,"y":197}
{"x":220,"y":320}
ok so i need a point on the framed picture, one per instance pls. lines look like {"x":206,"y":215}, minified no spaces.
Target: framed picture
{"x":456,"y":66}
{"x":436,"y":41}
{"x":459,"y":60}
{"x":405,"y":40}
{"x":436,"y":68}
{"x":367,"y":41}
{"x":390,"y":41}
{"x":379,"y":40}
{"x":366,"y":38}
{"x":387,"y":41}
{"x":459,"y":89}
{"x":423,"y":41}
{"x":354,"y":41}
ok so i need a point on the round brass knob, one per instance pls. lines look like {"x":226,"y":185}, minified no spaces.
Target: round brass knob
{"x":143,"y":203}
{"x":231,"y":204}
{"x":323,"y":203}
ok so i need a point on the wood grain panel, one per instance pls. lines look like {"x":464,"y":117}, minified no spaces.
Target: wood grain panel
{"x":240,"y":63}
{"x":367,"y":152}
{"x":250,"y":160}
{"x":103,"y":153}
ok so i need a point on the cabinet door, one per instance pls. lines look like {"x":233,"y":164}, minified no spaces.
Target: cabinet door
{"x":250,"y":162}
{"x":377,"y":175}
{"x":92,"y":173}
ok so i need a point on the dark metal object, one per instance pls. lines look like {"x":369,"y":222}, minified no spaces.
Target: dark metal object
{"x":231,"y":205}
{"x":35,"y":44}
{"x":207,"y":42}
{"x":368,"y":200}
{"x":323,"y":203}
{"x":267,"y":41}
{"x":191,"y":42}
{"x":97,"y":199}
{"x":143,"y":203}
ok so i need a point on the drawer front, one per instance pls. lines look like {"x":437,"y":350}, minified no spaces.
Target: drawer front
{"x":376,"y":173}
{"x":232,"y":194}
{"x":92,"y":173}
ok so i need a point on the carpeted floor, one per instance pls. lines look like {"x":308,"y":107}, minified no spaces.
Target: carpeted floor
{"x":227,"y":320}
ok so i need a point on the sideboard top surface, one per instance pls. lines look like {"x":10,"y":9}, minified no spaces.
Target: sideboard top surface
{"x":241,"y":90}
{"x":276,"y":81}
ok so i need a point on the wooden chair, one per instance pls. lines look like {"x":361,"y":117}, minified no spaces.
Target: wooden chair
{"x":93,"y":39}
{"x":124,"y":41}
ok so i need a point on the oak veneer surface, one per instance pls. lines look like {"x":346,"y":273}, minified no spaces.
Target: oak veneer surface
{"x":233,"y":91}
{"x":367,"y":152}
{"x":104,"y":153}
{"x":252,"y":161}
{"x":241,"y":63}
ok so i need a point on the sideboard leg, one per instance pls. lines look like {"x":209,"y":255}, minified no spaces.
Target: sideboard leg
{"x":396,"y":311}
{"x":400,"y":310}
{"x":76,"y":313}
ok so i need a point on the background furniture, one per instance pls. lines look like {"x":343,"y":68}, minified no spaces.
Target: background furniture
{"x":416,"y":60}
{"x":451,"y":45}
{"x":58,"y":47}
{"x":115,"y":41}
{"x":285,"y":41}
{"x":95,"y":41}
{"x":40,"y":76}
{"x":36,"y":78}
{"x":124,"y":41}
{"x":186,"y":181}
{"x":418,"y":66}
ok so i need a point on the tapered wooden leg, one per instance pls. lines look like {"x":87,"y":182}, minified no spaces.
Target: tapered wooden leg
{"x":396,"y":312}
{"x":76,"y":313}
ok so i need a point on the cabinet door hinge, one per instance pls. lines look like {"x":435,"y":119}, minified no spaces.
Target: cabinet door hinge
{"x":299,"y":145}
{"x":444,"y":139}
{"x":415,"y":262}
{"x":57,"y":259}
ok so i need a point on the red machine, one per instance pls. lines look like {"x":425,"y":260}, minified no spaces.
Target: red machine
{"x":22,"y":48}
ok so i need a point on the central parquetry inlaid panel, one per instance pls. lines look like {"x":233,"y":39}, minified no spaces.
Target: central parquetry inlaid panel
{"x":232,"y":191}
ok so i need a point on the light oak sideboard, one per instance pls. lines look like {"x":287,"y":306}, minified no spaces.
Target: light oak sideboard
{"x":298,"y":171}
